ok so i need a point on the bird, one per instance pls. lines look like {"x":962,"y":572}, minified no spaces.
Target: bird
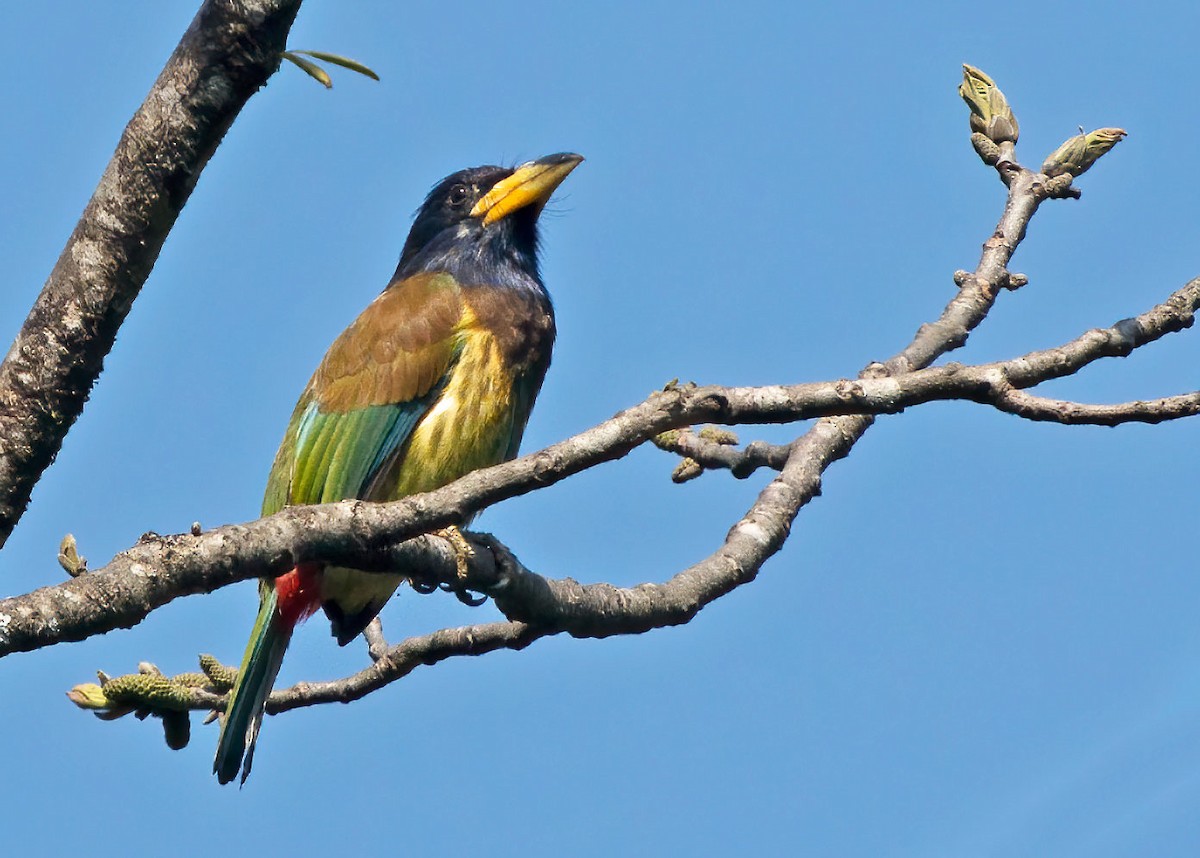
{"x":434,"y":379}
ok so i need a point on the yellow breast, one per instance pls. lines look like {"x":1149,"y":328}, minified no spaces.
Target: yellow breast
{"x":470,"y":426}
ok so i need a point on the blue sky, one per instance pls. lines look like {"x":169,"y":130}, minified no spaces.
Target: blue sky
{"x":980,"y":640}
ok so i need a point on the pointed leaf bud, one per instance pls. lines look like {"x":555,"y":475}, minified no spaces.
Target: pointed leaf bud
{"x":69,"y":559}
{"x":990,"y":113}
{"x":1080,"y":152}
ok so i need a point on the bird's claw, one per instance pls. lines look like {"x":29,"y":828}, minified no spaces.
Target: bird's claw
{"x":463,"y":552}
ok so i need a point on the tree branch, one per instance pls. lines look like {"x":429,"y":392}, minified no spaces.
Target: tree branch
{"x":230,"y":50}
{"x":373,"y":537}
{"x":997,"y":384}
{"x":703,"y":453}
{"x":1078,"y":413}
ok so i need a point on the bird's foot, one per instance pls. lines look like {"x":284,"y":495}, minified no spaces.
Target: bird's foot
{"x":463,"y":552}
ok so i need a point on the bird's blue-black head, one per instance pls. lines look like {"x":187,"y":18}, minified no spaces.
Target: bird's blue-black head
{"x":480,"y":225}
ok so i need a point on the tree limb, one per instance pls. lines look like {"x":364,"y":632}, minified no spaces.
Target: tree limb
{"x":230,"y":50}
{"x":373,"y":537}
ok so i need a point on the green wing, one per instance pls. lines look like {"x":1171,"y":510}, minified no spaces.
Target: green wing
{"x":373,"y":386}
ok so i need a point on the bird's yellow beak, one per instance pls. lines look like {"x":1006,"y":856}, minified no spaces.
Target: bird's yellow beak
{"x":530,"y":184}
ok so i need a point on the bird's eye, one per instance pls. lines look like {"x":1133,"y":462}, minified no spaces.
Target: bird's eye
{"x":459,"y":194}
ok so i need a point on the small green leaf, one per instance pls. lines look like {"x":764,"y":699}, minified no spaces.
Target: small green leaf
{"x":344,"y":62}
{"x":311,"y":69}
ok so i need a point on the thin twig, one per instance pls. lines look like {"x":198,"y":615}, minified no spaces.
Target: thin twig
{"x":1064,"y":411}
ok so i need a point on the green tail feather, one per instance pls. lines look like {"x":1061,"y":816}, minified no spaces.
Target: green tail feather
{"x":244,"y":713}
